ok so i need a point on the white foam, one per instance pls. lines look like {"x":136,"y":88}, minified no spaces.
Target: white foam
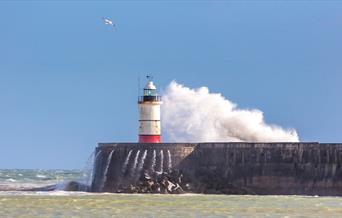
{"x":196,"y":115}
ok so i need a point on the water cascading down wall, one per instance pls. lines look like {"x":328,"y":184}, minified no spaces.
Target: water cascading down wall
{"x":221,"y":168}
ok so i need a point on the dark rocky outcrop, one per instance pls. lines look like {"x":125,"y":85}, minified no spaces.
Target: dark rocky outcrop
{"x":75,"y":186}
{"x":69,"y":186}
{"x":219,"y":168}
{"x":157,"y":183}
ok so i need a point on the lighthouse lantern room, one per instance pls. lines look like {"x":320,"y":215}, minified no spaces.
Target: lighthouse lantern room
{"x":149,"y":109}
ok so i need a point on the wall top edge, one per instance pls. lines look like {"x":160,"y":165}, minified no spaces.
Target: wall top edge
{"x":218,"y":144}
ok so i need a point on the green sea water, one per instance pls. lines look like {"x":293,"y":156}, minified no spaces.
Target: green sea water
{"x":14,"y":202}
{"x":61,"y":204}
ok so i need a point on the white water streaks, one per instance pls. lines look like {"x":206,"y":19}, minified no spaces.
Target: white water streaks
{"x":135,"y":163}
{"x":153,"y":165}
{"x":89,"y":168}
{"x":169,"y":160}
{"x":88,"y":174}
{"x":124,"y":166}
{"x":161,"y":161}
{"x":97,"y":156}
{"x":196,"y":115}
{"x":104,"y":177}
{"x":141,"y":164}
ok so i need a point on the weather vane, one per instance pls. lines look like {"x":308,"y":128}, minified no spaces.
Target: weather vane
{"x":149,"y":77}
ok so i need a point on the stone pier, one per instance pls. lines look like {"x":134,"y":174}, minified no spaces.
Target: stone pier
{"x":220,"y":168}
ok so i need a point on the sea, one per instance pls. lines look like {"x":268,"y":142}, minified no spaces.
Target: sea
{"x":16,"y":202}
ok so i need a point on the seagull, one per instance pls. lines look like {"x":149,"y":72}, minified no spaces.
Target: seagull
{"x":108,"y":21}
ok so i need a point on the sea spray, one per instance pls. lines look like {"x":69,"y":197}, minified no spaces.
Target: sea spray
{"x":85,"y":178}
{"x":88,"y":180}
{"x":124,"y":166}
{"x":161,"y":161}
{"x":87,"y":172}
{"x":104,"y":177}
{"x":141,"y":164}
{"x":196,"y":115}
{"x":153,"y":163}
{"x":169,"y":160}
{"x":135,"y":163}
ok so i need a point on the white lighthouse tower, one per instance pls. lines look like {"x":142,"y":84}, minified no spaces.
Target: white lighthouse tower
{"x":149,"y":109}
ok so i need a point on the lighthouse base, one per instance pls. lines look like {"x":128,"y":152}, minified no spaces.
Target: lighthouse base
{"x":149,"y":138}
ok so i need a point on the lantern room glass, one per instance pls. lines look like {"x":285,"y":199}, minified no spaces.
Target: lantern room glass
{"x":150,"y":92}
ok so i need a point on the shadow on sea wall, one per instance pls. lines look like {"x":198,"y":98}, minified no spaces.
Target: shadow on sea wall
{"x":219,"y":168}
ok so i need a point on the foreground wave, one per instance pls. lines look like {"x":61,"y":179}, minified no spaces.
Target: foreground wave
{"x":81,"y":204}
{"x":15,"y":202}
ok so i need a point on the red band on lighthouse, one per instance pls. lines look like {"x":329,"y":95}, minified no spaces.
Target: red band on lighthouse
{"x":149,"y":138}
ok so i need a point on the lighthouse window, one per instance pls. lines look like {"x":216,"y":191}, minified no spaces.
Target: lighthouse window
{"x":150,"y":92}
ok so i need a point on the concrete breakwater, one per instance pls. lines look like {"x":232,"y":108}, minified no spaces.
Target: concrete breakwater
{"x":219,"y":168}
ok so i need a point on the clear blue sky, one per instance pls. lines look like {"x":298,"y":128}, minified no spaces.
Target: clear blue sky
{"x":67,"y":81}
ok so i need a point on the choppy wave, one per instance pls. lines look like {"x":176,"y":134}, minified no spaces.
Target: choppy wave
{"x":81,"y":204}
{"x":23,"y":179}
{"x":59,"y":203}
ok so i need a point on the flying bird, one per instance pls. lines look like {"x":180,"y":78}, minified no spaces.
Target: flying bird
{"x":108,"y":21}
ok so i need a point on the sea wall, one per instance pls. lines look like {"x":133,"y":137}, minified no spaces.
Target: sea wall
{"x":220,"y":168}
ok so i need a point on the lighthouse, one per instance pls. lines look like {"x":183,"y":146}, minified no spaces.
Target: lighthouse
{"x":149,"y":114}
